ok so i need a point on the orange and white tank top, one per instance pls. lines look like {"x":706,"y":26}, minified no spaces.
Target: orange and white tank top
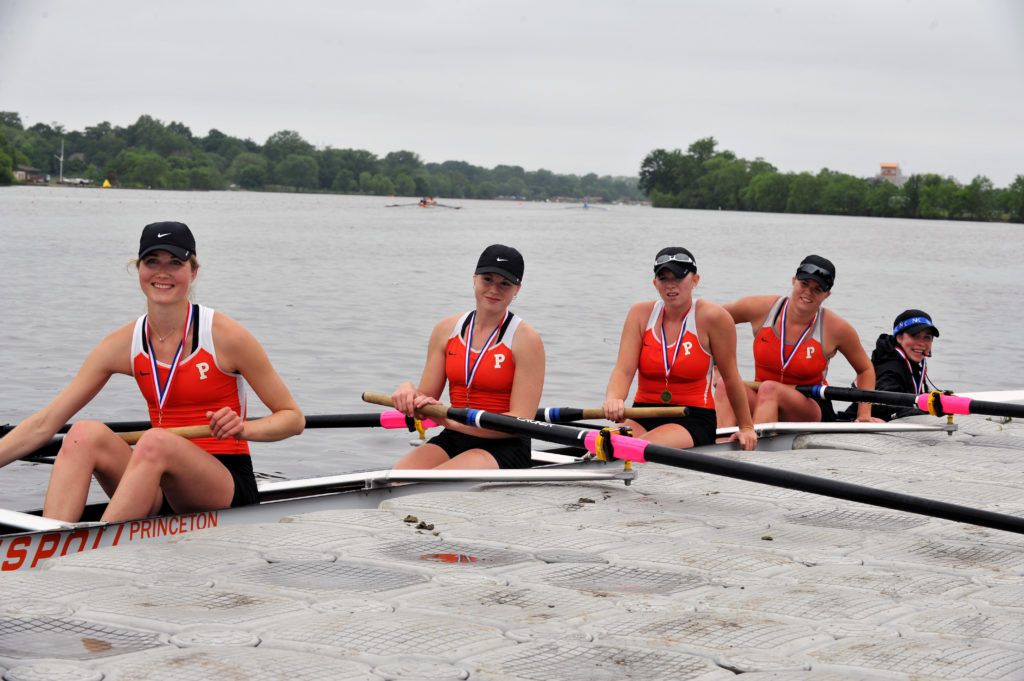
{"x":802,"y":362}
{"x":490,"y":376}
{"x":197,"y":385}
{"x":689,"y":380}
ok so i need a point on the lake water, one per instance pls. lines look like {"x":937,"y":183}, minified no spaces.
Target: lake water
{"x":343,"y":292}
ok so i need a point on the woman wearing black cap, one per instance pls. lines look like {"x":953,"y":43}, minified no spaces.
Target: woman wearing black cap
{"x":900,"y":360}
{"x":490,"y":359}
{"x":191,"y":364}
{"x":674,"y":343}
{"x":794,"y":340}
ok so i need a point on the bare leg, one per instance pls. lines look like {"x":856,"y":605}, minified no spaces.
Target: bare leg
{"x":164,"y":465}
{"x":723,"y":408}
{"x":423,"y":457}
{"x":668,"y":435}
{"x":89,"y":448}
{"x":776,"y":401}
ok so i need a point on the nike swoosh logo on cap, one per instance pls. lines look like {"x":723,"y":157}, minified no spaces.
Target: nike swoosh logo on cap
{"x":502,"y":259}
{"x":161,"y":236}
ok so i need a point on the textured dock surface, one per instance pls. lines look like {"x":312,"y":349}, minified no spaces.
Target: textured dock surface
{"x":679,"y":576}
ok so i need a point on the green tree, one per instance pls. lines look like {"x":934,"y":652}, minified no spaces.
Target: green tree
{"x":767,"y":192}
{"x":11,"y":119}
{"x":249,"y":170}
{"x":405,"y":185}
{"x":804,"y":194}
{"x":1012,"y":199}
{"x":299,"y":171}
{"x":345,"y":182}
{"x":284,"y":143}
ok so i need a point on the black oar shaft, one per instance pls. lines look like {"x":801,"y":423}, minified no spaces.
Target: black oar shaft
{"x":943,"y":404}
{"x":640,"y":450}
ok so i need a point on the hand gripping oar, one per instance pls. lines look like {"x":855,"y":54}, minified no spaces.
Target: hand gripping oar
{"x":935,"y":402}
{"x":635,"y":449}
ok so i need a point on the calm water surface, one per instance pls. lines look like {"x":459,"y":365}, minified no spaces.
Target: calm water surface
{"x":343,"y":292}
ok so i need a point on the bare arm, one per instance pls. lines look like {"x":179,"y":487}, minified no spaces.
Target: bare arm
{"x":528,"y":384}
{"x":751,"y":309}
{"x":239,"y":351}
{"x":109,"y":357}
{"x":849,"y":345}
{"x":626,"y":362}
{"x":722,"y":343}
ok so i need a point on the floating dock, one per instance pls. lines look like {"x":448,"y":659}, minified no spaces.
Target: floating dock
{"x":678,"y":576}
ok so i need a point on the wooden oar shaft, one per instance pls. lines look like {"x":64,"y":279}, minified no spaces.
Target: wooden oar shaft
{"x":563,"y":414}
{"x":634,"y":449}
{"x":190,"y":432}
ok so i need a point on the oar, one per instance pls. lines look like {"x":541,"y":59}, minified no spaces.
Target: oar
{"x":935,"y":402}
{"x":635,"y":449}
{"x":445,"y":205}
{"x":399,"y":205}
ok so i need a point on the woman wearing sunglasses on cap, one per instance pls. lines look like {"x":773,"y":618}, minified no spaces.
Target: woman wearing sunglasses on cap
{"x":490,"y":359}
{"x":900,"y":361}
{"x":674,"y":344}
{"x":192,"y":365}
{"x":794,"y":340}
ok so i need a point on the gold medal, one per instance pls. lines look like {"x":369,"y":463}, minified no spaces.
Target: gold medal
{"x":666,"y":396}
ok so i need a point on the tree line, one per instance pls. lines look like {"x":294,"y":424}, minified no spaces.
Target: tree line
{"x":705,"y":178}
{"x":149,"y":153}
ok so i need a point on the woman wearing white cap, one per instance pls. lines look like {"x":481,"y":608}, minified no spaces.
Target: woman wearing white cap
{"x":490,"y":359}
{"x":794,"y":340}
{"x":674,"y":344}
{"x":191,"y":364}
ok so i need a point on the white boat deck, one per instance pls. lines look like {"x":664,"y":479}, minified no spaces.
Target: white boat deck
{"x":678,"y":576}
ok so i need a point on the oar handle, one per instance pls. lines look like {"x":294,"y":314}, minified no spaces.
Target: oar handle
{"x":190,"y":432}
{"x":434,"y":411}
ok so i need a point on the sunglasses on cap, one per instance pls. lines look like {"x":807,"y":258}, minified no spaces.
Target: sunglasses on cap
{"x":827,"y":277}
{"x":675,"y":257}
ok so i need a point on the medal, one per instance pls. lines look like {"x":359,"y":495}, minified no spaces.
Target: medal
{"x":162,"y":390}
{"x":783,"y":359}
{"x":471,"y":370}
{"x":666,"y":395}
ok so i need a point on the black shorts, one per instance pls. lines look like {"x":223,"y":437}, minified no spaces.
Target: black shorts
{"x":509,"y":452}
{"x":240,"y":467}
{"x":700,"y":423}
{"x":828,"y":414}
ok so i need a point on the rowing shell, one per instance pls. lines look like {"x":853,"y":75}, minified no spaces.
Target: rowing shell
{"x":28,"y":540}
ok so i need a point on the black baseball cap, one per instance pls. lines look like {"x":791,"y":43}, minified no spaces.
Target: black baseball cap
{"x":174,"y":237}
{"x":819,"y":269}
{"x":912,"y":321}
{"x":503,"y":260}
{"x":677,"y":259}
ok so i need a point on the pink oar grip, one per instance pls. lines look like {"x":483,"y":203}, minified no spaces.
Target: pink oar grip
{"x":951,"y":404}
{"x":627,"y":448}
{"x":396,"y":419}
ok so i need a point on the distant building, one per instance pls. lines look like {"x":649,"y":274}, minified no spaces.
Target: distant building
{"x":890,"y":172}
{"x":24,"y":173}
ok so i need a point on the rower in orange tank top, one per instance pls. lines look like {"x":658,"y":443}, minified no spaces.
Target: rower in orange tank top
{"x":674,"y":344}
{"x":794,"y":340}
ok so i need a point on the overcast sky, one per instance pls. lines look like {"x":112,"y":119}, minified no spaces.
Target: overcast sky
{"x":573,"y":86}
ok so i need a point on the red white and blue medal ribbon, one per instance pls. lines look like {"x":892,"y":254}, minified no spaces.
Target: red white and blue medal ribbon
{"x":667,"y":394}
{"x":783,"y":358}
{"x":162,"y":391}
{"x":918,"y":384}
{"x":471,"y":372}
